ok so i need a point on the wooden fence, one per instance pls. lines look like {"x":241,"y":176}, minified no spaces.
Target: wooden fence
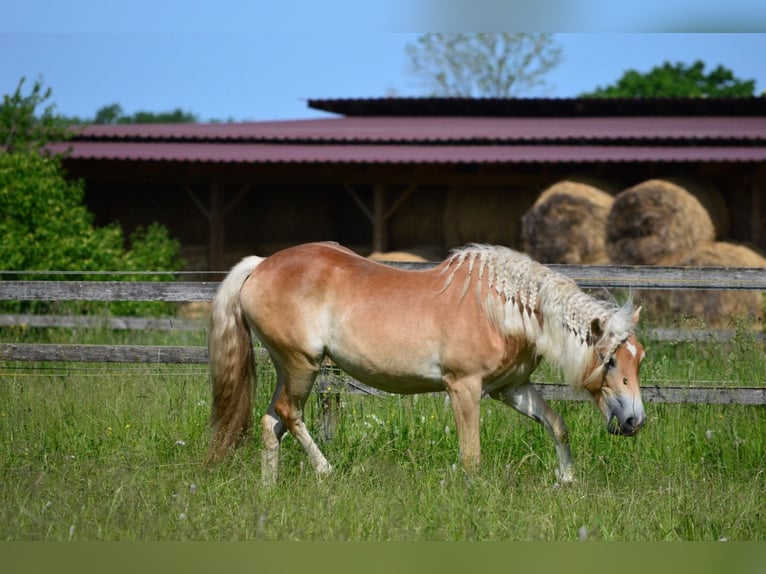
{"x":607,"y":277}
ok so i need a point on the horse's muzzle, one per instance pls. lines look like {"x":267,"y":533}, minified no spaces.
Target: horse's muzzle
{"x":628,"y":427}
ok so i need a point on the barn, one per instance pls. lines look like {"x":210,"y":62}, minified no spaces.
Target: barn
{"x":422,"y":174}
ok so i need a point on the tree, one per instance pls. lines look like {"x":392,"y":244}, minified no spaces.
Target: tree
{"x":483,"y":65}
{"x":677,"y":81}
{"x":113,"y":114}
{"x":21,"y":128}
{"x":108,"y":114}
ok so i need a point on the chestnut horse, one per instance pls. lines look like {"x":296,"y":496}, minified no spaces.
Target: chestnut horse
{"x":477,"y":324}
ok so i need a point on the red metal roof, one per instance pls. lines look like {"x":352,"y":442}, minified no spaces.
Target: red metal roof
{"x":531,"y":131}
{"x":404,"y":154}
{"x":445,"y":129}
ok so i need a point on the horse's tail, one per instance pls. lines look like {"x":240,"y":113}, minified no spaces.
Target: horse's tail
{"x":232,"y":363}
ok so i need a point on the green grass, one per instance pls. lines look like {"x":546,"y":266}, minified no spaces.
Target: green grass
{"x":95,"y":452}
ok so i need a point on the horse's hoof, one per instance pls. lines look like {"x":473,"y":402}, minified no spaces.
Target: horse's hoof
{"x":564,"y":479}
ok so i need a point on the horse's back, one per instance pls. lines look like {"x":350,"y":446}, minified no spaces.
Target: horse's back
{"x":297,"y":294}
{"x":316,"y":266}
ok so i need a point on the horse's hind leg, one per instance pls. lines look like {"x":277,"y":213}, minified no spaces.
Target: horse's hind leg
{"x":289,"y":403}
{"x":529,"y":402}
{"x":272,"y":431}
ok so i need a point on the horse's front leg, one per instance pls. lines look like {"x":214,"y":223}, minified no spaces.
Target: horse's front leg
{"x":465,"y":395}
{"x":529,"y":402}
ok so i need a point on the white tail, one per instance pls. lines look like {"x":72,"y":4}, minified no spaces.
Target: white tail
{"x":232,"y":365}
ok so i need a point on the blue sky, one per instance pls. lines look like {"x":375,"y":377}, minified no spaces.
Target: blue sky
{"x":245,"y":61}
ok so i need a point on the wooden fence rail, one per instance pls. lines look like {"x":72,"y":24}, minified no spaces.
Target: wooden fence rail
{"x":610,"y":277}
{"x":586,"y":276}
{"x":146,"y":354}
{"x":175,"y":324}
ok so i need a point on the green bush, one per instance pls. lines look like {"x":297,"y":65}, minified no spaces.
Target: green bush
{"x":45,"y":226}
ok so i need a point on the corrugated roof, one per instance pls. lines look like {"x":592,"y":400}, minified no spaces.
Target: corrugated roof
{"x":562,"y":131}
{"x":446,"y":130}
{"x":206,"y":152}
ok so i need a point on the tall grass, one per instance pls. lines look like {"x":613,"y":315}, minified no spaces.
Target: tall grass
{"x":94,"y":452}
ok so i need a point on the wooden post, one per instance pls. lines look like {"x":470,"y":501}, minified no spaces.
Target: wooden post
{"x":380,"y":214}
{"x":217,"y":228}
{"x":756,"y":206}
{"x":329,"y":413}
{"x":379,"y":218}
{"x":216,"y":213}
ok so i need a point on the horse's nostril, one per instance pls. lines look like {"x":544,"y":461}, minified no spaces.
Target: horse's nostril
{"x":629,"y":426}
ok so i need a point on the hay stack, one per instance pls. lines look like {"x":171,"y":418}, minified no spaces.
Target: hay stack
{"x":567,"y":224}
{"x":609,"y":185}
{"x":485,"y":215}
{"x":723,"y":254}
{"x":711,"y":199}
{"x":416,"y":254}
{"x":656,"y":223}
{"x":716,"y":308}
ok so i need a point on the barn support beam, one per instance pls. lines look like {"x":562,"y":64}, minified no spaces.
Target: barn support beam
{"x":215,"y":212}
{"x":380,"y":212}
{"x":756,"y":206}
{"x":758,"y":218}
{"x":217,"y":227}
{"x":379,"y":220}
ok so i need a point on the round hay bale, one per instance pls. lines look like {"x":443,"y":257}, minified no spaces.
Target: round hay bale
{"x":567,"y":224}
{"x":608,"y":185}
{"x":656,"y":223}
{"x":485,"y":215}
{"x":710,"y":197}
{"x":417,"y":254}
{"x":724,"y":254}
{"x":715,"y":308}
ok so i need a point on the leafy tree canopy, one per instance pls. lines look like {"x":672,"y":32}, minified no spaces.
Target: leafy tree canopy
{"x":113,"y":114}
{"x":23,"y":127}
{"x":677,"y":80}
{"x":483,"y":65}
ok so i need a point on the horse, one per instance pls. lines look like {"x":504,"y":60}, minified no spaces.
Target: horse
{"x":475,"y":325}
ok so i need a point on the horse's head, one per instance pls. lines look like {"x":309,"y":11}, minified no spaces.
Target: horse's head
{"x":614,"y":385}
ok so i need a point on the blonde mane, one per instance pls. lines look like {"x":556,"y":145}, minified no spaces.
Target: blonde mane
{"x":523,"y":298}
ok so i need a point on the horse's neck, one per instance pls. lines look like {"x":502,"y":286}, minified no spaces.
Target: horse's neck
{"x":566,"y":340}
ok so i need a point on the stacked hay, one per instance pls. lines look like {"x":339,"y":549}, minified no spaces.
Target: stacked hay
{"x":656,"y":222}
{"x":567,"y":224}
{"x":711,"y":199}
{"x":716,"y":308}
{"x":609,"y":185}
{"x":415,"y":254}
{"x":485,"y":215}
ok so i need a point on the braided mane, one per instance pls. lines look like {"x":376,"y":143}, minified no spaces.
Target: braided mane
{"x":526,"y":299}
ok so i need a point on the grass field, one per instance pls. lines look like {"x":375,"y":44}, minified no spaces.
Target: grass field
{"x":96,"y":452}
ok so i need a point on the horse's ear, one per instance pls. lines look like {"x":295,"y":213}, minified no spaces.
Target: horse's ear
{"x":596,"y":329}
{"x":636,"y":313}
